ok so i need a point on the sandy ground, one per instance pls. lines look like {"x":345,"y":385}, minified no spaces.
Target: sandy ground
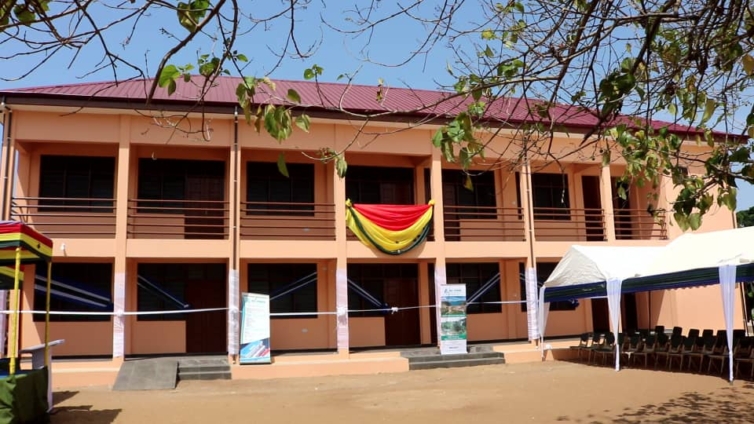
{"x":542,"y":392}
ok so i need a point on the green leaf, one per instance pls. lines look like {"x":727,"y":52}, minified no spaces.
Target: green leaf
{"x":437,"y":138}
{"x":488,"y":34}
{"x":308,"y":74}
{"x":341,"y":166}
{"x":242,"y":58}
{"x":465,"y":158}
{"x":302,"y":121}
{"x":293,"y":96}
{"x":748,"y":62}
{"x":695,"y":221}
{"x":169,"y":74}
{"x":709,"y":109}
{"x":468,"y":184}
{"x":171,"y":87}
{"x":681,"y":220}
{"x":672,"y":109}
{"x":282,"y":168}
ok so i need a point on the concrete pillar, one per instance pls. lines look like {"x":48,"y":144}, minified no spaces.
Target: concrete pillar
{"x":341,"y":262}
{"x":435,"y":176}
{"x":234,"y":262}
{"x":121,"y":237}
{"x":606,"y":197}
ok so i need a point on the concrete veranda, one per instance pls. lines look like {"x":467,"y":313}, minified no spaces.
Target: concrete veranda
{"x":533,"y":392}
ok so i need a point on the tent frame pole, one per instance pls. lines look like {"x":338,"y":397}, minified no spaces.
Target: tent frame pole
{"x":15,"y":307}
{"x":47,"y":313}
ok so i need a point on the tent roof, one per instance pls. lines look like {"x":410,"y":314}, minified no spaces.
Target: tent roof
{"x":703,"y":250}
{"x":591,"y":264}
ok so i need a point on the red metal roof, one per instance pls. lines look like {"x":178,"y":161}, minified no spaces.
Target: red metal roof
{"x":351,"y":97}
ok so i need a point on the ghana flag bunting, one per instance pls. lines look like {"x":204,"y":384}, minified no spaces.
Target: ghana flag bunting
{"x":391,"y":229}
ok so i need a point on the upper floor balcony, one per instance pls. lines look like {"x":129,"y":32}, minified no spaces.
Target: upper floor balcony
{"x":189,"y":199}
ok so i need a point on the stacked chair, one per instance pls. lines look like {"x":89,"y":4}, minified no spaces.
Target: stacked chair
{"x":696,"y":351}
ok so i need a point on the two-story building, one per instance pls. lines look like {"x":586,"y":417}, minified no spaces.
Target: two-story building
{"x":153,"y":214}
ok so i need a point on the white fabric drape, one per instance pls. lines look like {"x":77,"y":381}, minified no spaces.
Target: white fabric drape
{"x":119,"y":318}
{"x":728,"y":289}
{"x":543,"y":309}
{"x":530,"y":279}
{"x":341,"y":309}
{"x":613,"y":302}
{"x":233,"y":312}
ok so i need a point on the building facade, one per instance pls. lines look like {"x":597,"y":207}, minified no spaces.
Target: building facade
{"x":150,"y":218}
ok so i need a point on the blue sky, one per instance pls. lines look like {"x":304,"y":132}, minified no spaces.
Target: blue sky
{"x":336,"y":52}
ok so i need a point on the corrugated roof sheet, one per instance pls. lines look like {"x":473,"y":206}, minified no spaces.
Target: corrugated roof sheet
{"x":323,"y":95}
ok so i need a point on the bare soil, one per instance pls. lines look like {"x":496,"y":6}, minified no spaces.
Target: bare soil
{"x":528,"y":393}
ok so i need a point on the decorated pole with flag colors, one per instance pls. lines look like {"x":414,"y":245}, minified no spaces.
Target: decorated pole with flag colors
{"x":391,"y":229}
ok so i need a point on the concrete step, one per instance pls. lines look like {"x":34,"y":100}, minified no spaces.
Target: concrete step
{"x":457,"y":363}
{"x":205,"y":375}
{"x":204,"y":368}
{"x":458,"y":357}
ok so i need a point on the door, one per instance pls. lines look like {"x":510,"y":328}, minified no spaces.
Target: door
{"x":451,"y":217}
{"x":402,"y":327}
{"x":622,"y":210}
{"x":628,"y":310}
{"x":595,"y":229}
{"x":205,"y":331}
{"x":205,"y":218}
{"x":600,"y":315}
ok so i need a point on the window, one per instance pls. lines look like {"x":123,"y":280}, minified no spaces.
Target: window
{"x":550,"y":196}
{"x":474,"y":276}
{"x":71,"y":183}
{"x":380,"y":185}
{"x":164,"y":287}
{"x":76,"y":287}
{"x":477,"y":203}
{"x":265,"y":186}
{"x":272,"y":279}
{"x":544,"y":269}
{"x":163,"y":180}
{"x":370,"y":278}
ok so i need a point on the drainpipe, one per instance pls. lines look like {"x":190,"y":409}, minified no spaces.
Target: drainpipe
{"x":7,"y":126}
{"x":234,"y":224}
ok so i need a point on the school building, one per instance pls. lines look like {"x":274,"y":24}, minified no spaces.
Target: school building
{"x":161,"y":208}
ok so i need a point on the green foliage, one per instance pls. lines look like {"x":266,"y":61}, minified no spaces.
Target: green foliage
{"x":745,"y":218}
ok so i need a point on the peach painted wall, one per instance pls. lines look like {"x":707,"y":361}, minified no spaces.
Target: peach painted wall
{"x":366,"y":332}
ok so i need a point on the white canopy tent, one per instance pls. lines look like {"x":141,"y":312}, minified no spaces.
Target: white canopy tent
{"x":583,"y":265}
{"x":685,"y":262}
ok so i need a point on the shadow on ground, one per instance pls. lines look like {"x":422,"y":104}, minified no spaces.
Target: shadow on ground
{"x":727,"y":405}
{"x":83,"y":414}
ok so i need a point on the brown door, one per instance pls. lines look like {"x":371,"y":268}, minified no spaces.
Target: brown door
{"x":622,"y":210}
{"x":205,"y":331}
{"x":595,"y":230}
{"x":600,"y":315}
{"x":402,"y":328}
{"x":451,"y":217}
{"x":205,"y":217}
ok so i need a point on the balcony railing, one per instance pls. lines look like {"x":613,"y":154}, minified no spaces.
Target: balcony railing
{"x":560,"y":224}
{"x":483,"y":223}
{"x":178,"y":219}
{"x":638,"y":224}
{"x":67,"y":217}
{"x":287,"y":221}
